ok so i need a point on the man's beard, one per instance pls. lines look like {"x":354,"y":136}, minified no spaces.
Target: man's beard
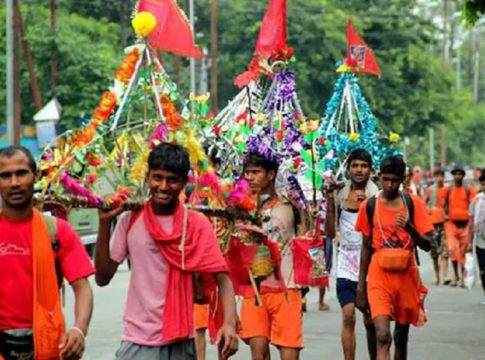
{"x":19,"y":206}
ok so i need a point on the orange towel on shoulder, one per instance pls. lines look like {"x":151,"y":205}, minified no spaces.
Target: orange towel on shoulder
{"x":48,"y":323}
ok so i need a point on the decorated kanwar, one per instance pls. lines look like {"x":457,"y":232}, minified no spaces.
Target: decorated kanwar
{"x":242,"y":179}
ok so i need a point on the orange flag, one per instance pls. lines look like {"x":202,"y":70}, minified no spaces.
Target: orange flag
{"x":272,"y":35}
{"x":358,"y":51}
{"x":173,"y":32}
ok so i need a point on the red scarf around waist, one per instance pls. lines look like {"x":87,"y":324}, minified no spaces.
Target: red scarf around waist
{"x":192,"y":247}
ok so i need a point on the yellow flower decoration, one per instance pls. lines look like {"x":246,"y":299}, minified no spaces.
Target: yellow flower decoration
{"x":354,"y":137}
{"x":343,"y":68}
{"x":394,"y":138}
{"x":201,"y":99}
{"x":144,"y":23}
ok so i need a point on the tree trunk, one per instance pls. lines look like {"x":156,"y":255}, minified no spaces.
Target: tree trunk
{"x":28,"y":56}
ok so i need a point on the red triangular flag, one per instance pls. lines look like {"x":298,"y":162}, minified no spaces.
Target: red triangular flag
{"x":173,"y":32}
{"x":273,"y":29}
{"x":358,"y":50}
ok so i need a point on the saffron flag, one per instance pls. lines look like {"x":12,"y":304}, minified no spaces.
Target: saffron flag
{"x":173,"y":32}
{"x":273,"y":29}
{"x":358,"y":51}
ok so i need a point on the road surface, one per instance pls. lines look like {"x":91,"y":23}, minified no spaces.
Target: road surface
{"x":456,"y":329}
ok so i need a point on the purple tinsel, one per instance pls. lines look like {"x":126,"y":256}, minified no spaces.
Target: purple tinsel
{"x":264,"y":143}
{"x":296,"y":193}
{"x":286,"y":81}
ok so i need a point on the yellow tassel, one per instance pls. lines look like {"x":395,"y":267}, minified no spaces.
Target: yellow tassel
{"x":139,"y":168}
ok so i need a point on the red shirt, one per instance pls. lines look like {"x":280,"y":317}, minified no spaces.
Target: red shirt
{"x":16,"y":283}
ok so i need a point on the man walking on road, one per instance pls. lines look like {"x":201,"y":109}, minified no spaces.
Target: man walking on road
{"x":435,"y":198}
{"x":477,"y":230}
{"x":166,"y":243}
{"x":280,"y":319}
{"x":342,"y":212}
{"x":36,"y":251}
{"x":457,"y":205}
{"x":393,"y":223}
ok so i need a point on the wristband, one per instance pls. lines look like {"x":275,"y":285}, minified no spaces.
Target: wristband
{"x":75,"y":328}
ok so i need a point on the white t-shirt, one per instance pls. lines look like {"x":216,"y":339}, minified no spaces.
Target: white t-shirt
{"x":348,"y":258}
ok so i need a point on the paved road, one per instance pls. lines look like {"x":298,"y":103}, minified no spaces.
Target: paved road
{"x":456,"y":329}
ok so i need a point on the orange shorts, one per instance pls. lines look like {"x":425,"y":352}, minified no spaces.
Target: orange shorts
{"x":280,"y":319}
{"x":201,"y":316}
{"x":457,"y":241}
{"x":394,"y":294}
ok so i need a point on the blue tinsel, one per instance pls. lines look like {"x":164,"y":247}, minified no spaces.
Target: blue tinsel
{"x":340,"y":142}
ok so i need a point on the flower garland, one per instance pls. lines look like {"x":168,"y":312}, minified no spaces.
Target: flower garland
{"x":240,"y":196}
{"x":74,"y":187}
{"x":126,"y":69}
{"x":172,"y":117}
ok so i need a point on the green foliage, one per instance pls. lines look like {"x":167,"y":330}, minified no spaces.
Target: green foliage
{"x":472,"y":10}
{"x":414,"y":93}
{"x":87,"y":55}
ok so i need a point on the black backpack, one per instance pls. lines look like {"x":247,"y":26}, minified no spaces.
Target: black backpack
{"x":370,"y":210}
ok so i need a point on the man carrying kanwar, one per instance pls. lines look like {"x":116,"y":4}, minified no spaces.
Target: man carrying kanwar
{"x":393,"y":224}
{"x":279,"y":320}
{"x":167,"y":244}
{"x":36,"y":251}
{"x":435,"y":197}
{"x":342,"y":210}
{"x":457,"y":204}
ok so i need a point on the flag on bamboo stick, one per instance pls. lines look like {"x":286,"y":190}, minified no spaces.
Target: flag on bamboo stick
{"x":173,"y":32}
{"x":359,"y":52}
{"x":273,"y":29}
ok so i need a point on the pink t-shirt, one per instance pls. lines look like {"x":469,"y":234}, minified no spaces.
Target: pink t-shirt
{"x":146,"y":292}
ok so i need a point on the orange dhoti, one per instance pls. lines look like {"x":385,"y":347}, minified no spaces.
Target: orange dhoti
{"x":457,"y":241}
{"x":394,"y":294}
{"x":279,"y":320}
{"x":201,"y":316}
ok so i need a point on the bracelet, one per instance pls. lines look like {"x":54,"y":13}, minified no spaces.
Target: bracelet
{"x":79,"y":331}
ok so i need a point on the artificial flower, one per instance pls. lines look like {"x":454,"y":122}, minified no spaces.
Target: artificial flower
{"x":144,"y":23}
{"x":394,"y":137}
{"x":127,"y":68}
{"x":354,"y":137}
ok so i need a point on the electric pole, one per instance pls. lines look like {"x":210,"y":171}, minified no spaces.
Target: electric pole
{"x":53,"y":57}
{"x":13,"y":103}
{"x":214,"y":70}
{"x":431,"y":149}
{"x":123,"y":6}
{"x":16,"y":82}
{"x":192,"y":60}
{"x":443,"y":147}
{"x":476,"y":68}
{"x":445,"y":66}
{"x":445,"y":33}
